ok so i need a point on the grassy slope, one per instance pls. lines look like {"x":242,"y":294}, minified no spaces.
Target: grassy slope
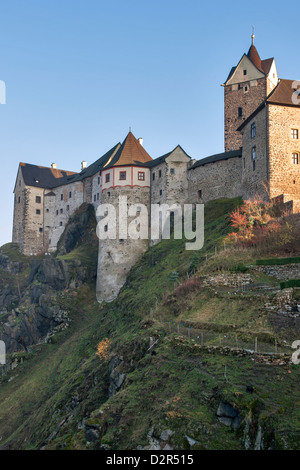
{"x":179,"y":388}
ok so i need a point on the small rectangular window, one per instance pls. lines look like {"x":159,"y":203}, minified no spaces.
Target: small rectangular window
{"x":38,"y":211}
{"x":95,"y":197}
{"x":38,"y":199}
{"x":98,"y":179}
{"x":153,"y":176}
{"x":122,"y":175}
{"x":61,"y":211}
{"x":141,"y":176}
{"x":98,"y":196}
{"x":19,"y":199}
{"x":68,"y":207}
{"x":253,"y":155}
{"x":294,"y":133}
{"x":107,"y":178}
{"x":70,"y":194}
{"x":253,"y":130}
{"x":200,"y":193}
{"x":40,"y":229}
{"x":56,"y":212}
{"x":160,"y":192}
{"x":159,"y":173}
{"x":61,"y":197}
{"x":295,"y":158}
{"x":172,"y":171}
{"x":240,"y":112}
{"x":245,"y":72}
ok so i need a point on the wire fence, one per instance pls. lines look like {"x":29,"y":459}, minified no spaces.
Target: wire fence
{"x":233,"y":340}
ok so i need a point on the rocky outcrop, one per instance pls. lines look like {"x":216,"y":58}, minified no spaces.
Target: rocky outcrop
{"x":116,"y":376}
{"x":80,"y":229}
{"x":229,"y":415}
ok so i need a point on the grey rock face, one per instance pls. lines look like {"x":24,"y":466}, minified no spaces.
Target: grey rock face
{"x":228,"y":415}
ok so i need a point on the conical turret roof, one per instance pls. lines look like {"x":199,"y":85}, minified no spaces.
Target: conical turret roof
{"x":253,"y":55}
{"x":131,"y":152}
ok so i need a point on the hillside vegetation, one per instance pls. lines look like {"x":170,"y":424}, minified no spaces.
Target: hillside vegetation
{"x":177,"y":368}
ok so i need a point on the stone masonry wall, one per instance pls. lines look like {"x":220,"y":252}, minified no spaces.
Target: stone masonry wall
{"x":284,"y":175}
{"x":215,"y":180}
{"x":19,"y":211}
{"x":235,"y":98}
{"x":59,"y":209}
{"x":116,"y":257}
{"x":253,"y":180}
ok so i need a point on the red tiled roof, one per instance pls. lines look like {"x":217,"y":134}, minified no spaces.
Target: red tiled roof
{"x":283,"y":94}
{"x":266,"y":65}
{"x":253,"y":55}
{"x":131,"y":152}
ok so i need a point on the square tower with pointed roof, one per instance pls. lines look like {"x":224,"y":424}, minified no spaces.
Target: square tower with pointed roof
{"x":245,"y":88}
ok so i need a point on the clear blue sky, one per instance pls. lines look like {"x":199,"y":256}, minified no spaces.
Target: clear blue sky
{"x":79,"y":73}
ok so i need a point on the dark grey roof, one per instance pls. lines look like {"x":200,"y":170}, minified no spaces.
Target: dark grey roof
{"x":95,"y":167}
{"x":49,"y":178}
{"x":159,"y":160}
{"x":44,"y":177}
{"x":217,"y":157}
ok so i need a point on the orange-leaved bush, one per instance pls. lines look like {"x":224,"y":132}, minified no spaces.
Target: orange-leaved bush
{"x":103,"y":349}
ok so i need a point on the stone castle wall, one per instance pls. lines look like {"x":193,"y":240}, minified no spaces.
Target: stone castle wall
{"x":116,"y":257}
{"x":215,"y":180}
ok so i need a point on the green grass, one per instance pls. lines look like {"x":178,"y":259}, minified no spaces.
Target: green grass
{"x":277,"y":261}
{"x":290,"y":283}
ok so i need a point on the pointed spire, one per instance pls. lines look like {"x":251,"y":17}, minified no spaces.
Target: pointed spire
{"x":253,"y":55}
{"x":252,"y":36}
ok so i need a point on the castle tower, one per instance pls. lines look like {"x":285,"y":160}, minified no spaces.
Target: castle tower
{"x":246,"y":87}
{"x":126,"y":175}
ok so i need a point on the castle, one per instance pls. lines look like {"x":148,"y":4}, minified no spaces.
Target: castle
{"x":262,"y":151}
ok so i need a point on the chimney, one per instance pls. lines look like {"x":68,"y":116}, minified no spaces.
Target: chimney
{"x":53,"y":165}
{"x":141,"y":140}
{"x":83,"y":165}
